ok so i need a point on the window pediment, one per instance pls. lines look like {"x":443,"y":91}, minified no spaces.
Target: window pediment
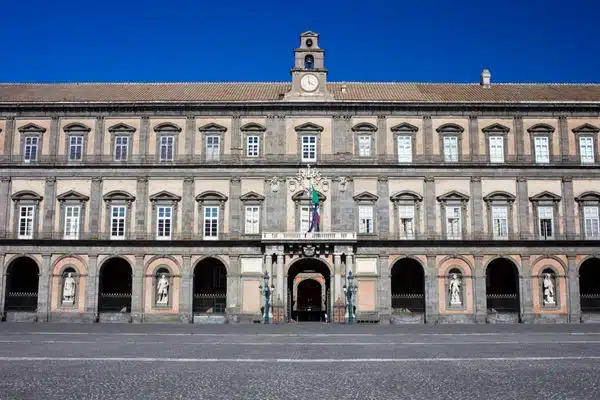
{"x":167,"y":127}
{"x":499,"y":196}
{"x":304,"y":195}
{"x":406,"y":195}
{"x":496,"y":128}
{"x":586,"y":128}
{"x":25,"y":195}
{"x":404,"y":127}
{"x":72,"y":195}
{"x":76,"y":127}
{"x":32,"y":128}
{"x":211,"y":195}
{"x":588,"y":196}
{"x":253,"y":127}
{"x":164,"y":195}
{"x":450,"y":128}
{"x":366,"y":197}
{"x":453,"y":196}
{"x":309,"y":127}
{"x":541,"y":128}
{"x":252,"y":196}
{"x":121,"y":128}
{"x":212,"y":128}
{"x":545,"y":196}
{"x":364,"y":127}
{"x":117,"y":195}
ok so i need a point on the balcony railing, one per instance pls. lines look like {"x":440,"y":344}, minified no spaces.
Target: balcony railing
{"x":312,"y":236}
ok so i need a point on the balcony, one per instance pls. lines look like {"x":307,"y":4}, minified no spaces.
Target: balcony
{"x":309,"y":236}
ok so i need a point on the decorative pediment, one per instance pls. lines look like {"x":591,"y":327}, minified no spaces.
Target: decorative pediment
{"x":365,"y":196}
{"x":450,"y":128}
{"x":406,"y":195}
{"x":32,"y":128}
{"x":500,"y":195}
{"x":364,"y":127}
{"x":121,"y":128}
{"x":404,"y":127}
{"x":586,"y":128}
{"x":253,"y":127}
{"x":309,"y":33}
{"x":24,"y":195}
{"x":453,"y":195}
{"x":167,"y":127}
{"x":211,"y":195}
{"x":212,"y":127}
{"x":164,"y":195}
{"x":588,"y":196}
{"x":309,"y":127}
{"x":252,"y":196}
{"x":72,"y":195}
{"x":76,"y":127}
{"x":305,"y":195}
{"x":541,"y":128}
{"x":545,"y":196}
{"x":117,"y":195}
{"x":495,"y":128}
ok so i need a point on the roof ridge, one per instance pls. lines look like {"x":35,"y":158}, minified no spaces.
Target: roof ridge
{"x":141,"y":83}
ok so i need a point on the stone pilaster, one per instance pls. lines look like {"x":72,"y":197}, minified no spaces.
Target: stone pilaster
{"x":428,"y":135}
{"x":275,"y":206}
{"x":144,"y":136}
{"x":337,"y":267}
{"x":519,"y":137}
{"x":568,"y":198}
{"x":92,"y":287}
{"x":523,"y":207}
{"x":432,"y":307}
{"x":99,"y":138}
{"x":384,"y":290}
{"x":49,"y":208}
{"x":563,"y":131}
{"x":43,"y":303}
{"x":474,"y":135}
{"x":189,"y":136}
{"x":430,"y":207}
{"x":96,"y":206}
{"x":5,"y":190}
{"x":343,"y":213}
{"x":525,"y":299}
{"x":141,"y":207}
{"x":187,"y":205}
{"x":186,"y":297}
{"x":54,"y":134}
{"x":382,"y":136}
{"x":382,"y":207}
{"x":477,"y":225}
{"x":235,"y":207}
{"x":234,"y":302}
{"x":573,"y":299}
{"x":479,"y":291}
{"x":9,"y":135}
{"x":137,"y":290}
{"x":275,"y":135}
{"x":2,"y":282}
{"x":237,"y":147}
{"x":280,"y":277}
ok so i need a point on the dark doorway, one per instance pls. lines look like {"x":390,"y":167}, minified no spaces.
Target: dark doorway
{"x":589,"y":285}
{"x":115,"y":286}
{"x":502,"y":286}
{"x":22,"y":277}
{"x":210,"y":287}
{"x":307,"y":304}
{"x":408,"y":286}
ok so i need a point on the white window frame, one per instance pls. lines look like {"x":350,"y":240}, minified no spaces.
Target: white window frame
{"x":118,"y":223}
{"x":213,"y":147}
{"x":591,"y":222}
{"x":304,"y":218}
{"x":364,"y":145}
{"x":545,"y":213}
{"x":404,"y":148}
{"x":365,"y":219}
{"x":252,"y":220}
{"x":586,"y":149}
{"x":72,"y":219}
{"x":496,"y":144}
{"x":25,"y":228}
{"x":210,"y":226}
{"x":309,"y":148}
{"x":164,"y":222}
{"x":252,"y":146}
{"x":450,"y":148}
{"x":121,"y":150}
{"x":406,"y":221}
{"x":500,"y":222}
{"x":453,"y":222}
{"x":166,"y":148}
{"x":76,"y":143}
{"x":542,"y":149}
{"x":30,"y":148}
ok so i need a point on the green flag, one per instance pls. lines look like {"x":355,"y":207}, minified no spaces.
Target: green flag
{"x":314,"y":195}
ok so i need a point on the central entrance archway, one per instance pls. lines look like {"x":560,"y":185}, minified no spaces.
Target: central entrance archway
{"x":115,"y":286}
{"x":309,"y":290}
{"x":22,"y":278}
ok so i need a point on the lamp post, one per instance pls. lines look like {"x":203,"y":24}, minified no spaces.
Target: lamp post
{"x":350,"y":291}
{"x":267,"y":291}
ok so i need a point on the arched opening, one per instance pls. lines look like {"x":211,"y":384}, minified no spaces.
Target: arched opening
{"x":589,"y":285}
{"x":309,"y":289}
{"x":408,"y":286}
{"x":455,"y":288}
{"x":162,"y":285}
{"x":309,"y":62}
{"x":115,"y":286}
{"x":502,"y":286}
{"x":549,"y":295}
{"x":210,"y":287}
{"x":68,"y":286}
{"x":22,"y":277}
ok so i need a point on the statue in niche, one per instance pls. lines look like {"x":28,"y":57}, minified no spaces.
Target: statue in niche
{"x":162,"y":290}
{"x":548,"y":289}
{"x":68,"y":295}
{"x":454,"y":286}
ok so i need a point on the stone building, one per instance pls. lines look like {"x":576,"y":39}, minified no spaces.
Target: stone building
{"x":169,"y":201}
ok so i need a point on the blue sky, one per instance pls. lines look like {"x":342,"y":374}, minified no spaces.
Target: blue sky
{"x":187,"y":40}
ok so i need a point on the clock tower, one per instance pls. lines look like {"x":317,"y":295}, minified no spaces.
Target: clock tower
{"x":309,"y":75}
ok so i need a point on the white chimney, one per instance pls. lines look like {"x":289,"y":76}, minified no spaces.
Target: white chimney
{"x":486,"y":78}
{"x":344,"y":88}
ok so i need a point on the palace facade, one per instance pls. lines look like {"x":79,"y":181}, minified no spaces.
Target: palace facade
{"x":169,"y":201}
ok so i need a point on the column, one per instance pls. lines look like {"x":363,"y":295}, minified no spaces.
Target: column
{"x":92,"y":287}
{"x":99,"y":138}
{"x":569,"y":207}
{"x":137,"y":290}
{"x":432,"y":307}
{"x":188,"y":204}
{"x":5,"y":189}
{"x":232,"y":305}
{"x":235,"y":207}
{"x":268,"y":266}
{"x":337,"y":288}
{"x":9,"y":135}
{"x":49,"y":208}
{"x":280,"y":277}
{"x":384,"y":290}
{"x":477,"y":225}
{"x":2,"y":281}
{"x":382,"y":207}
{"x":428,"y":136}
{"x":43,"y":301}
{"x":186,"y":295}
{"x":525,"y":299}
{"x":563,"y":131}
{"x":54,"y":134}
{"x":382,"y":133}
{"x":479,"y":291}
{"x":474,"y":135}
{"x":430,"y":207}
{"x":141,"y":207}
{"x":96,"y":206}
{"x":190,"y":135}
{"x":523,"y":206}
{"x":573,"y":300}
{"x":144,"y":133}
{"x":519,"y":138}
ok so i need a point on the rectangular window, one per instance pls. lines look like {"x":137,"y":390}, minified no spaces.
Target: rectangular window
{"x":211,"y":222}
{"x":213,"y":148}
{"x":304,"y":218}
{"x":500,"y":222}
{"x":404,"y":144}
{"x":407,"y":221}
{"x":309,"y":148}
{"x":545,"y":218}
{"x":364,"y":146}
{"x":591,"y":222}
{"x":496,"y":149}
{"x":75,"y":148}
{"x":252,"y":220}
{"x":253,"y":146}
{"x":586,"y":149}
{"x":542,"y":154}
{"x":121,"y":148}
{"x":163,"y":223}
{"x":30,"y":151}
{"x":26,"y":222}
{"x":451,"y":148}
{"x":365,"y":219}
{"x":72,"y":215}
{"x":453,"y":222}
{"x":117,"y":222}
{"x":166,"y":148}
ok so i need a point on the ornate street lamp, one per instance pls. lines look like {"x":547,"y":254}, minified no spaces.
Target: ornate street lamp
{"x":350,"y":291}
{"x":267,"y":292}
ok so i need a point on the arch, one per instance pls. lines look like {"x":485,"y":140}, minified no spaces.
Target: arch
{"x":309,"y":62}
{"x":406,"y":195}
{"x":211,"y":195}
{"x":22,"y":281}
{"x":253,"y":127}
{"x":589,"y":285}
{"x":69,"y":260}
{"x":450,"y":128}
{"x":540,"y":128}
{"x":218,"y":257}
{"x":407,"y":277}
{"x":167,"y":127}
{"x":23,"y":195}
{"x":14,"y":257}
{"x":209,"y":286}
{"x":292,"y":264}
{"x":455,"y":261}
{"x":500,"y":195}
{"x":548,"y":260}
{"x":76,"y":127}
{"x":154,"y":263}
{"x":508,"y":257}
{"x":502,"y":285}
{"x":318,"y":268}
{"x":118,"y":195}
{"x":115,"y":285}
{"x":402,"y":257}
{"x":364,"y":127}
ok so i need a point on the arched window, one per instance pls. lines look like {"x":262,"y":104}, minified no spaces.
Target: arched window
{"x":309,"y":62}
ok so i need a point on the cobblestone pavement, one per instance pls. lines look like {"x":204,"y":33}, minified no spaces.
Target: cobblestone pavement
{"x":302,"y":361}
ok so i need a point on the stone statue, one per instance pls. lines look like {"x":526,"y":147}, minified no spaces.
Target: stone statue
{"x":455,"y":284}
{"x":68,"y":296}
{"x":548,"y":289}
{"x":162,"y":290}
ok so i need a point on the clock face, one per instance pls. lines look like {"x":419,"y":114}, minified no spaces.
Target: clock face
{"x":309,"y":82}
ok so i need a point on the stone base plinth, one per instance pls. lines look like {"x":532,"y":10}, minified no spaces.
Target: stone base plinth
{"x":210,"y":319}
{"x":503,"y":318}
{"x":72,"y":317}
{"x":157,"y":318}
{"x":456,"y":319}
{"x":21,"y":316}
{"x":413,"y":318}
{"x":590,"y":318}
{"x":550,"y":319}
{"x":115,"y":317}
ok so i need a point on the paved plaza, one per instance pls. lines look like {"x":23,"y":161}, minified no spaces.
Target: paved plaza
{"x":300,"y":361}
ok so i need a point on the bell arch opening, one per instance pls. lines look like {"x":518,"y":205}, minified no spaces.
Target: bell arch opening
{"x":22,"y":278}
{"x":502,"y":286}
{"x":309,"y":291}
{"x":210,"y":287}
{"x":115,"y":286}
{"x":408,"y":286}
{"x":589,"y":286}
